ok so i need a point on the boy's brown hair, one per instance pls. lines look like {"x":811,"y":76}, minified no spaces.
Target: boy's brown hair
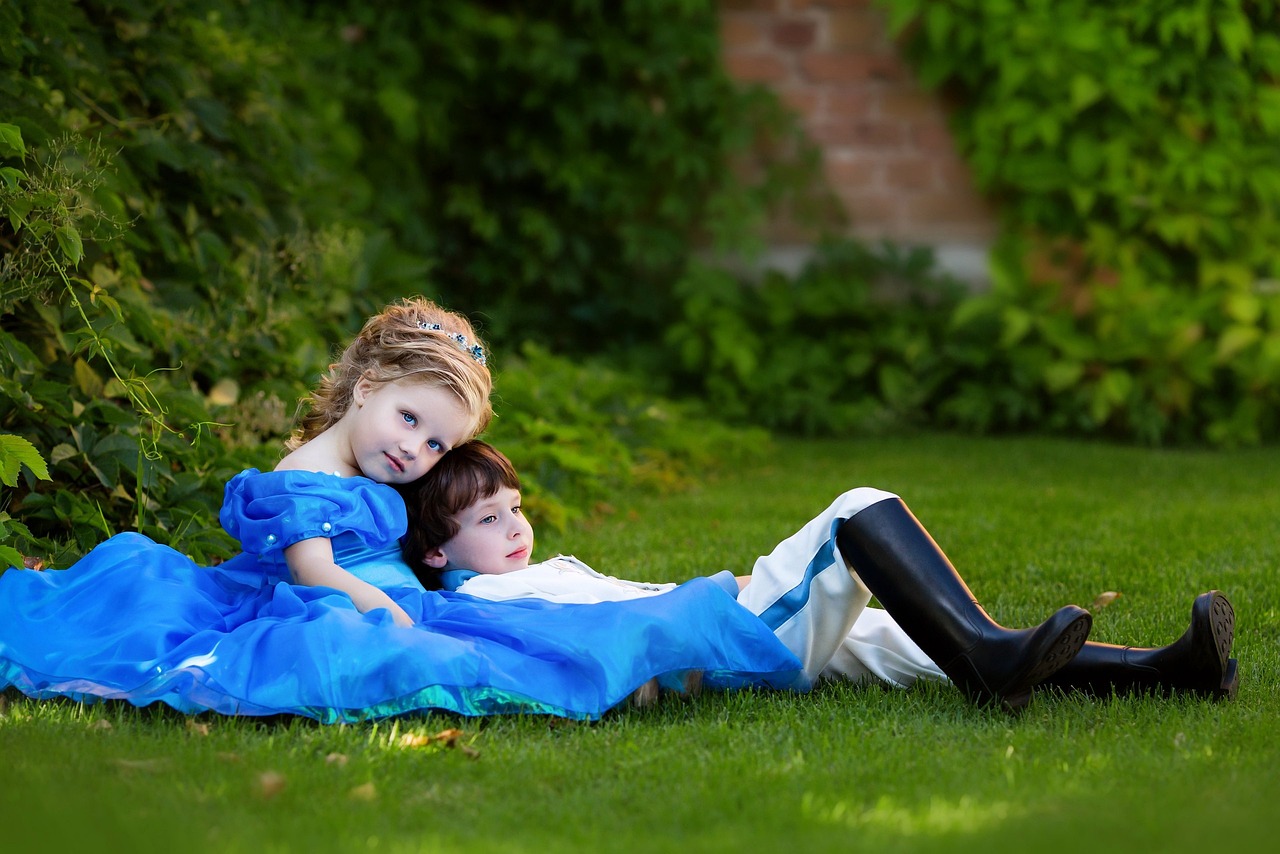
{"x":469,"y":473}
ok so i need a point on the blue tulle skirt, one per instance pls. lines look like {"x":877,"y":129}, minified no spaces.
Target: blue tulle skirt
{"x":140,"y":622}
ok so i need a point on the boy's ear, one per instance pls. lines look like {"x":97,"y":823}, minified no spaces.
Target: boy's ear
{"x":435,"y":559}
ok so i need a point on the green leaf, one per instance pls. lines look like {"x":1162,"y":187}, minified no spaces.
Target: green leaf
{"x":1235,"y":35}
{"x":1116,"y":385}
{"x":1267,"y":108}
{"x":1060,"y":376}
{"x":401,"y":109}
{"x":16,"y":451}
{"x":1234,"y":340}
{"x":12,"y":177}
{"x":18,"y":210}
{"x":1085,"y":90}
{"x":1244,"y":307}
{"x":87,"y":379}
{"x":70,"y":244}
{"x":1085,"y":155}
{"x":10,"y":557}
{"x":1016,"y":324}
{"x":937,"y":22}
{"x":1082,"y":198}
{"x":11,"y":141}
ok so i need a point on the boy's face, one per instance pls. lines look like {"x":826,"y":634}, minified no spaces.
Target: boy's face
{"x":493,"y":537}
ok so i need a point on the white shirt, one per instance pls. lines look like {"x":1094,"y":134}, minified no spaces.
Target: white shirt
{"x":563,"y":578}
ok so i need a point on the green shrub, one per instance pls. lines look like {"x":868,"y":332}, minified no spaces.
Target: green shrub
{"x":1132,"y":148}
{"x":577,"y":430}
{"x":853,"y":343}
{"x":559,"y":163}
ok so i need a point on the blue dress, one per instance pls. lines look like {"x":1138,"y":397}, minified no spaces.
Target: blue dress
{"x":138,"y":621}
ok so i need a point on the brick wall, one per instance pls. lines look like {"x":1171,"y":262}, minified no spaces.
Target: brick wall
{"x":888,"y":153}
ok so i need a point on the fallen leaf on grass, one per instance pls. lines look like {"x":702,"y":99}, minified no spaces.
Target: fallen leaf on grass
{"x":339,"y":759}
{"x":452,"y":738}
{"x":367,"y":792}
{"x":197,"y":728}
{"x":1102,"y":600}
{"x":101,"y":724}
{"x":446,"y":736}
{"x":270,"y":784}
{"x":36,"y":563}
{"x":229,"y":757}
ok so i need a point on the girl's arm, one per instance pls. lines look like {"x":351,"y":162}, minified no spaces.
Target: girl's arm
{"x":311,"y":564}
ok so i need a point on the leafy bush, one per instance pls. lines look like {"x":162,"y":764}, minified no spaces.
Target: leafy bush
{"x":577,"y":430}
{"x":855,"y":342}
{"x":558,"y":163}
{"x":1132,"y":148}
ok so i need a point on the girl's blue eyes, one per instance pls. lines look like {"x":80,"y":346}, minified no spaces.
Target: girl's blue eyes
{"x":412,"y":420}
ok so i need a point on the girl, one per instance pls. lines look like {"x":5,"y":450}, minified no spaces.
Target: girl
{"x":413,"y":384}
{"x":320,"y":616}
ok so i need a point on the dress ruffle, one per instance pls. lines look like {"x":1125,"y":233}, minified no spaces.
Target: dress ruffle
{"x":269,"y":511}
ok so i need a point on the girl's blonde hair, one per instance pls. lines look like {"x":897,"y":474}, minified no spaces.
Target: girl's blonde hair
{"x":413,"y":338}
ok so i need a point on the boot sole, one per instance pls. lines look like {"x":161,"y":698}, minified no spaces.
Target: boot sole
{"x":1222,"y":621}
{"x":1222,"y":624}
{"x":1017,"y":693}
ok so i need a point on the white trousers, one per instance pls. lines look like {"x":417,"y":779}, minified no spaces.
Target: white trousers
{"x":817,"y":606}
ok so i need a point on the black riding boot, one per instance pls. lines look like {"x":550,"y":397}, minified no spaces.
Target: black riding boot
{"x":902,"y":565}
{"x":1197,"y":663}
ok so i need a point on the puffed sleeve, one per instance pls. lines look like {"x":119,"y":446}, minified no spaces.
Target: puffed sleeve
{"x":268,"y":511}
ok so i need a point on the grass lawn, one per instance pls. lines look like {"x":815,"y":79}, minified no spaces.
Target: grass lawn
{"x":1031,"y":523}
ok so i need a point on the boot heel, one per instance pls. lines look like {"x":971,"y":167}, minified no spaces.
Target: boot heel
{"x":1064,"y":643}
{"x":1230,"y":682}
{"x":1065,"y":648}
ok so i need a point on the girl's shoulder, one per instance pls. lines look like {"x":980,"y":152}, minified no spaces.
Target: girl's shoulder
{"x":267,"y":511}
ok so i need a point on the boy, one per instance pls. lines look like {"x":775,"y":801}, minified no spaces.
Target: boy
{"x":467,"y":534}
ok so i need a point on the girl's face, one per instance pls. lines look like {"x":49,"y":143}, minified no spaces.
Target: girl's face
{"x":493,"y":537}
{"x":399,"y":430}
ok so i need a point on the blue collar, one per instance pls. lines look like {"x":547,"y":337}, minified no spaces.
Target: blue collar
{"x":452,"y":579}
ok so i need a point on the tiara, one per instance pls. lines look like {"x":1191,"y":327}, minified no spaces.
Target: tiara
{"x":475,"y":351}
